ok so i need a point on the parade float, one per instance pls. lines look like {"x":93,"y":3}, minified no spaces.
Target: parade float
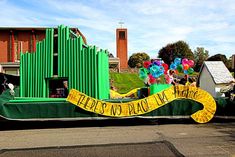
{"x":62,"y":61}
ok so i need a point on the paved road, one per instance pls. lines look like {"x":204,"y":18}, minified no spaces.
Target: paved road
{"x":213,"y":139}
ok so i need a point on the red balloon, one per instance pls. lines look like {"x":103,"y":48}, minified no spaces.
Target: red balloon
{"x":147,"y":64}
{"x":165,"y":66}
{"x":152,"y":80}
{"x":191,"y":63}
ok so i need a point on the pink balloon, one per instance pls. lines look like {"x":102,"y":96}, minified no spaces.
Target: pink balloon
{"x":185,"y":61}
{"x":191,"y":63}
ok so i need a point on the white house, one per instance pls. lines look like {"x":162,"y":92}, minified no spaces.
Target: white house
{"x":213,"y":76}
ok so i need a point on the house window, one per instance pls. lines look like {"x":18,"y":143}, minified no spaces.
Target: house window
{"x":122,"y":35}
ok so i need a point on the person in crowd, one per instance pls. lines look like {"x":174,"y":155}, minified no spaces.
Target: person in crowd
{"x":184,"y":80}
{"x":158,"y":80}
{"x":147,"y":82}
{"x":170,"y":77}
{"x":192,"y":81}
{"x":65,"y":92}
{"x":11,"y":87}
{"x":4,"y":84}
{"x":112,"y":87}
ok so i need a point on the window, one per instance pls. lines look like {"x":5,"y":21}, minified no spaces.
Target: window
{"x":58,"y":87}
{"x":11,"y":71}
{"x":122,"y":35}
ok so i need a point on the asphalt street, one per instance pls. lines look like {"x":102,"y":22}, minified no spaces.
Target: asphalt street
{"x":41,"y":139}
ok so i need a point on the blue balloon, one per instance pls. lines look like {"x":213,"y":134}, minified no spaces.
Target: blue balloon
{"x":160,"y":73}
{"x":150,"y":66}
{"x":154,"y":69}
{"x":177,"y":61}
{"x":162,"y":69}
{"x":155,"y":75}
{"x":173,"y":66}
{"x":186,"y":72}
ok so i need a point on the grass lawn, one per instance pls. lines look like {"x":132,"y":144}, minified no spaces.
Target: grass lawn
{"x":124,"y":82}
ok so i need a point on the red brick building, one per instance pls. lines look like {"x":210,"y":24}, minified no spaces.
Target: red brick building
{"x":16,"y":39}
{"x":121,"y":42}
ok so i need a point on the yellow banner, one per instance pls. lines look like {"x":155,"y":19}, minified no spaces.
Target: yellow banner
{"x":147,"y":104}
{"x":132,"y":94}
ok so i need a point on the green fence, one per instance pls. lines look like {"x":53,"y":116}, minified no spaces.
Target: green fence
{"x":64,"y":55}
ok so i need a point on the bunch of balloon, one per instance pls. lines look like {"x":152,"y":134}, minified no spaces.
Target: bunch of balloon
{"x":150,"y":73}
{"x":182,"y":65}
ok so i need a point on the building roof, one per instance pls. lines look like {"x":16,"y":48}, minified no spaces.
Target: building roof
{"x":24,"y":27}
{"x":41,"y":28}
{"x":218,"y":71}
{"x":114,"y":60}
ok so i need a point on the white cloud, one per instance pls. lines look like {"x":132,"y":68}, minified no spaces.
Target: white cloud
{"x":151,"y":24}
{"x":181,"y":30}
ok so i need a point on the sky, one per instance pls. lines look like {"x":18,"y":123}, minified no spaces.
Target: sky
{"x":151,"y":24}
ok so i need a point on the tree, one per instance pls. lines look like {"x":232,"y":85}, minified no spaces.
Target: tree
{"x":229,"y":63}
{"x":137,"y":59}
{"x":200,"y":55}
{"x":178,"y":49}
{"x":223,"y":58}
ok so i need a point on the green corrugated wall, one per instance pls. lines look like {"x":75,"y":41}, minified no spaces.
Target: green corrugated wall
{"x":86,"y":68}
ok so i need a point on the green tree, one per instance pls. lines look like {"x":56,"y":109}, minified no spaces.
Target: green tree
{"x":178,"y":49}
{"x":221,"y":57}
{"x":200,"y":55}
{"x":229,"y":64}
{"x":137,"y":59}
